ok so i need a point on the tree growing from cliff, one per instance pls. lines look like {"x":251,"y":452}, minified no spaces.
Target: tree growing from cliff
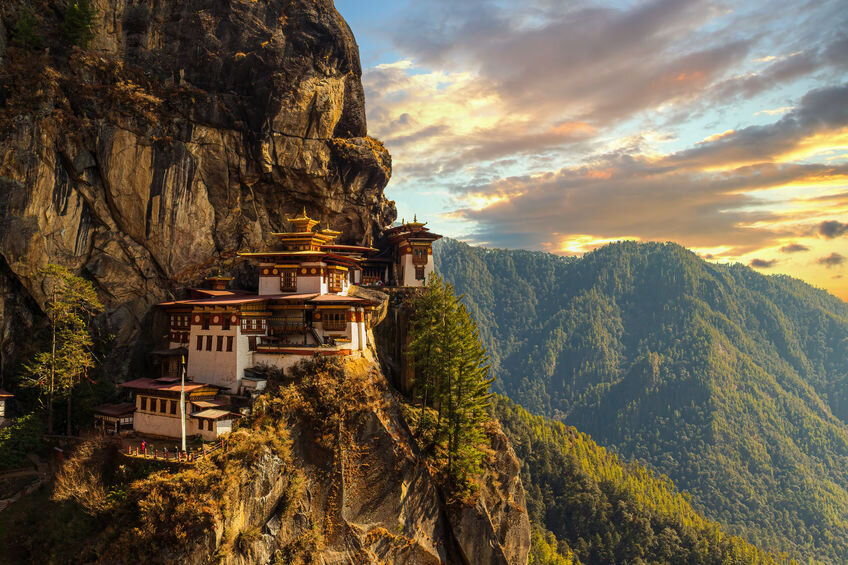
{"x":25,"y":34}
{"x":72,"y":303}
{"x":78,"y":25}
{"x":452,"y":375}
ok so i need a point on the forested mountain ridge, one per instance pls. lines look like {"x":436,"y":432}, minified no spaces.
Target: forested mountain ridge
{"x":730,"y":382}
{"x":600,"y":510}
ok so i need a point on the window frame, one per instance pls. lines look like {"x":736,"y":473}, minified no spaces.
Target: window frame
{"x":419,"y":255}
{"x":334,"y":320}
{"x":288,"y":280}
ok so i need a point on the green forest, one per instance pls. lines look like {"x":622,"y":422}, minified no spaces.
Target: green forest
{"x":731,"y":383}
{"x":594,"y":509}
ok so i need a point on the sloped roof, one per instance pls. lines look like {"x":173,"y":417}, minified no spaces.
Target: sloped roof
{"x":163,"y":385}
{"x":215,"y":414}
{"x":338,"y":299}
{"x":115,"y":410}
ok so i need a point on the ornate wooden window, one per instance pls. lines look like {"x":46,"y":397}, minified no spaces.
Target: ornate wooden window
{"x":163,"y":405}
{"x":229,"y":343}
{"x":336,"y":280}
{"x":199,"y":342}
{"x":253,"y":325}
{"x":288,"y":280}
{"x":220,"y":344}
{"x":419,"y":255}
{"x":208,"y":343}
{"x":173,"y":407}
{"x":143,"y":403}
{"x":206,"y":321}
{"x":419,"y":272}
{"x":335,"y":321}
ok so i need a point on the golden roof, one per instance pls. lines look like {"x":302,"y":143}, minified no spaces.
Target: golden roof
{"x":303,"y":221}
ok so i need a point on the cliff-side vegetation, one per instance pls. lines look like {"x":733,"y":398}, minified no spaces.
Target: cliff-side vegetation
{"x":730,"y":382}
{"x":107,"y":507}
{"x":451,"y":386}
{"x":324,"y":467}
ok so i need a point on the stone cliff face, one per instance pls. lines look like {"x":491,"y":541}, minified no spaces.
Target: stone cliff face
{"x":367,"y":496}
{"x":186,"y":132}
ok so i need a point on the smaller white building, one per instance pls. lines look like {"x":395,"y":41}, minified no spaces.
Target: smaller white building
{"x":407,"y":262}
{"x":158,"y":411}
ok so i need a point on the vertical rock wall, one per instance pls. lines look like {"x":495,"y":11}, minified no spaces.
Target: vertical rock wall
{"x":186,"y":132}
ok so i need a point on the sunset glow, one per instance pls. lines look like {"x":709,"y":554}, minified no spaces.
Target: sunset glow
{"x":723,"y":127}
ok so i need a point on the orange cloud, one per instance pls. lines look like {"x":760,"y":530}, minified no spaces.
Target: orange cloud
{"x":578,"y":244}
{"x":604,"y":174}
{"x":571,"y":128}
{"x":717,"y":136}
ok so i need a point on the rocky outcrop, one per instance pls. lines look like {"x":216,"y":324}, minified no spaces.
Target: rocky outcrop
{"x":356,"y":490}
{"x":496,"y":529}
{"x":380,"y":300}
{"x":186,"y":132}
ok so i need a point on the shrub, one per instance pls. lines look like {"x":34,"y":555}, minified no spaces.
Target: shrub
{"x":25,"y":34}
{"x":23,"y":436}
{"x":81,"y":478}
{"x":78,"y":26}
{"x":246,"y":538}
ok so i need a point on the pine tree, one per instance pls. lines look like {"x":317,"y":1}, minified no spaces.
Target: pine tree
{"x":71,"y":304}
{"x":452,"y":375}
{"x":79,"y":23}
{"x":26,"y":33}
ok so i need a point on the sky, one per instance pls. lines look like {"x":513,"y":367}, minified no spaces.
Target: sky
{"x":563,"y":126}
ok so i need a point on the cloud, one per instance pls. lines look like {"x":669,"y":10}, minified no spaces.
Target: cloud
{"x":831,"y":229}
{"x":775,"y":111}
{"x":794,"y":248}
{"x":821,"y":115}
{"x":597,"y":63}
{"x":562,"y":125}
{"x":832,"y":260}
{"x":623,"y":194}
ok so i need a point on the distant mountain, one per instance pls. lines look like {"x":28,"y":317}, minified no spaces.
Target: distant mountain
{"x":600,"y":510}
{"x":731,"y":383}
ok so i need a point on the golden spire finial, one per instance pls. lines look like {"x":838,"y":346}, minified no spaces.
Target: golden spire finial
{"x":304,"y":211}
{"x":403,"y":221}
{"x":415,"y":219}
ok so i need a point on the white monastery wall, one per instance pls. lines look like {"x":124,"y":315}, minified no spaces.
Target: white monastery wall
{"x":215,"y":367}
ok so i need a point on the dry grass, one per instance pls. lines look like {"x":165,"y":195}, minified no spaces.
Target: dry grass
{"x":80,"y":480}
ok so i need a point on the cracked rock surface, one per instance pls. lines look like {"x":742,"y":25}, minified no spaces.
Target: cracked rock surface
{"x":188,"y":131}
